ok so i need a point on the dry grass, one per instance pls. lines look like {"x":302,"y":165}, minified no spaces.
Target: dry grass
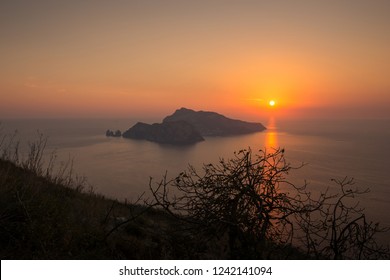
{"x":47,"y":214}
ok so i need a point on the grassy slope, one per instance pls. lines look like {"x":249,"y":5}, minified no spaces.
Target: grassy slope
{"x":40,"y":219}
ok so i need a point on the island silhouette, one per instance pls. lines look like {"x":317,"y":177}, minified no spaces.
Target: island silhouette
{"x":186,"y":126}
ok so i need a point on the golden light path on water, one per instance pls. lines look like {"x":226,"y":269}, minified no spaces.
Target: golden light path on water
{"x":271,"y":137}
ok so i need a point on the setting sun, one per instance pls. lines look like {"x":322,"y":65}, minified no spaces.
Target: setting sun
{"x":272,"y":103}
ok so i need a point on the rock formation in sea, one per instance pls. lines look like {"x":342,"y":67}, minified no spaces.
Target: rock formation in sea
{"x":214,"y":124}
{"x":110,"y":133}
{"x":175,"y":132}
{"x":186,"y":126}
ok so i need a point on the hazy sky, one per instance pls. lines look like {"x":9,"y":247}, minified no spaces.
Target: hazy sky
{"x":136,"y":58}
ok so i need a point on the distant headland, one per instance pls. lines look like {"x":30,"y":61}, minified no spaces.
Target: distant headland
{"x":186,"y":126}
{"x":177,"y":133}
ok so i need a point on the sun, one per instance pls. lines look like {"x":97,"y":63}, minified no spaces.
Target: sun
{"x":272,"y":103}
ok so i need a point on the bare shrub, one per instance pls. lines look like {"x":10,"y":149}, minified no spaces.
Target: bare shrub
{"x":248,"y":199}
{"x":339,"y":229}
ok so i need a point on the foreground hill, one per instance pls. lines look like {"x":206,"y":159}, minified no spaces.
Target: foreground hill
{"x":46,"y":218}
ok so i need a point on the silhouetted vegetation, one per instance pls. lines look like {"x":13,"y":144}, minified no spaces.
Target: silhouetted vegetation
{"x":239,"y":208}
{"x":247,"y":202}
{"x":46,"y":212}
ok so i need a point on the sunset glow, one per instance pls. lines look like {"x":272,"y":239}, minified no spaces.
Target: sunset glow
{"x":98,"y":59}
{"x":208,"y":129}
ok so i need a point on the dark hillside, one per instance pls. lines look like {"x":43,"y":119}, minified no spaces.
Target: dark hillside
{"x":40,"y":219}
{"x":44,"y":220}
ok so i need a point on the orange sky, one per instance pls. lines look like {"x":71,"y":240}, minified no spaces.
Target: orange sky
{"x":148,"y":58}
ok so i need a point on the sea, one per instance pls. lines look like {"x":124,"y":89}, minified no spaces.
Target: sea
{"x":122,"y":168}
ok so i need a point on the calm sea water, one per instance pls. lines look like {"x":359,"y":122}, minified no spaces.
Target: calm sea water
{"x":121,"y":168}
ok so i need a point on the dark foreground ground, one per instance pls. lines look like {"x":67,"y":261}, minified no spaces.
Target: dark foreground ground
{"x":46,"y":217}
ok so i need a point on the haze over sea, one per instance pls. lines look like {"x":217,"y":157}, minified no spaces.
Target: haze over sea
{"x":121,"y":168}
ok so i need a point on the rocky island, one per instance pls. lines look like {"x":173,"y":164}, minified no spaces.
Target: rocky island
{"x":214,"y":124}
{"x":176,"y":132}
{"x":110,"y":133}
{"x":186,"y":126}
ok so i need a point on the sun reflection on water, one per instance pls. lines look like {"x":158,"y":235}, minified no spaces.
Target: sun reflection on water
{"x":271,"y":135}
